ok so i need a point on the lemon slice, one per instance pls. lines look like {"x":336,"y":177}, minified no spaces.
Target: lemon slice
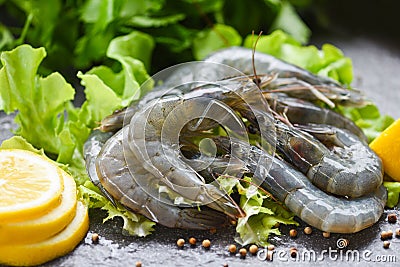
{"x":51,"y":223}
{"x":49,"y":249}
{"x":30,"y":185}
{"x":387,"y":147}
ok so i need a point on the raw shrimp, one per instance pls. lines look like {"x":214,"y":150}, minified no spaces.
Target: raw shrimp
{"x":116,"y":177}
{"x":290,"y":78}
{"x":154,"y":140}
{"x":315,"y":207}
{"x":351,"y":169}
{"x":301,"y":112}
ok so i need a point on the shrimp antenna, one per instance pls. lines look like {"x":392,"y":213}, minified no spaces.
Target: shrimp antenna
{"x":256,"y":80}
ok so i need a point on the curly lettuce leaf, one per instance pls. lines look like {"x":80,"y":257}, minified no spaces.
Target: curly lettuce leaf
{"x":369,"y":119}
{"x":134,"y":224}
{"x":329,"y":61}
{"x":393,"y":193}
{"x":263,"y":215}
{"x":39,"y":101}
{"x":218,"y":37}
{"x":49,"y":122}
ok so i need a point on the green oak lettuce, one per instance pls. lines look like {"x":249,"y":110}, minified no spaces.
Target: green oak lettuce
{"x":48,"y":121}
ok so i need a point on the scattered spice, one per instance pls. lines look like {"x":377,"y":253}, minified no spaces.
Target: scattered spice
{"x":192,"y":241}
{"x":95,"y":238}
{"x":293,"y":252}
{"x":397,"y":232}
{"x":392,"y":218}
{"x":386,"y":244}
{"x":308,"y":230}
{"x":232,"y":248}
{"x":293,"y":233}
{"x":242,"y":252}
{"x":180,"y":242}
{"x":326,"y":234}
{"x":386,"y":234}
{"x":206,"y":243}
{"x":138,"y":264}
{"x":253,"y":249}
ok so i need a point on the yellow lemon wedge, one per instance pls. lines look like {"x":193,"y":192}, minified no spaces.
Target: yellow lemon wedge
{"x":30,"y":185}
{"x":49,"y":224}
{"x":49,"y":249}
{"x":387,"y":147}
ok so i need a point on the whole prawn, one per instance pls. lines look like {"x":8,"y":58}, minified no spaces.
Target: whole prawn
{"x":107,"y":165}
{"x":315,"y":207}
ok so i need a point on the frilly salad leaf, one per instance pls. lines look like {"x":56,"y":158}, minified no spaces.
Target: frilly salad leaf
{"x":393,"y":193}
{"x":50,"y":124}
{"x":263,"y":214}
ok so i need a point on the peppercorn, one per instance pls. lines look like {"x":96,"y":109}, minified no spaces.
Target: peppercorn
{"x":192,"y":241}
{"x":180,"y":242}
{"x":326,"y":234}
{"x":242,"y":252}
{"x":232,"y":248}
{"x":308,"y":230}
{"x":253,"y":249}
{"x":95,"y":238}
{"x":392,"y":218}
{"x":293,"y":233}
{"x":386,"y":244}
{"x":206,"y":243}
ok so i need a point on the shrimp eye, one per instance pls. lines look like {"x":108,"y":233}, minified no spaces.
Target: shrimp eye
{"x":257,"y":80}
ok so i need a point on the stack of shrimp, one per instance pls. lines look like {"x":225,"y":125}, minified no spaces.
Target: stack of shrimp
{"x":312,"y":159}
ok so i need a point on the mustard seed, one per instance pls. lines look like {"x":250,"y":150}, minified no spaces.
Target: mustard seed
{"x":270,"y":247}
{"x":326,"y":234}
{"x":138,"y":264}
